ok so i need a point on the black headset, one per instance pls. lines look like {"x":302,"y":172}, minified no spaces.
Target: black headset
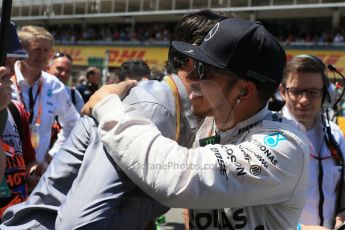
{"x":243,"y":92}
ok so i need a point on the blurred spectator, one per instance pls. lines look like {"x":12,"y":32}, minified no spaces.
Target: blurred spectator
{"x":5,"y":95}
{"x":134,"y":70}
{"x":112,"y":78}
{"x":90,"y":85}
{"x":81,"y":80}
{"x":61,"y":67}
{"x":43,"y":95}
{"x":338,"y":38}
{"x":5,"y":87}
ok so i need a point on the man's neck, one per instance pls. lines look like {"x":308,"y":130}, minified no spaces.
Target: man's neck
{"x":227,"y":120}
{"x":30,"y":74}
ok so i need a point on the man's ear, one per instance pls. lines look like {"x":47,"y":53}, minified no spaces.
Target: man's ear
{"x":282,"y":91}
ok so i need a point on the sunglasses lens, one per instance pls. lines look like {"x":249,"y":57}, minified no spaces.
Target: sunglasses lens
{"x":58,"y":55}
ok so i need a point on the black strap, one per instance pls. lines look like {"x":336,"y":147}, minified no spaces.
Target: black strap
{"x":337,"y":155}
{"x":322,"y":198}
{"x":333,"y":145}
{"x":73,"y":95}
{"x":17,"y":118}
{"x":32,"y":103}
{"x":3,"y":120}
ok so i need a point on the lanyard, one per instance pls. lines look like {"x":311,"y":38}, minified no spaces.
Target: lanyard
{"x":32,"y":102}
{"x":173,"y":87}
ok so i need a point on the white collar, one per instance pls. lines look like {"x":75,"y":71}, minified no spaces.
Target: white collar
{"x":246,"y":125}
{"x":20,"y":77}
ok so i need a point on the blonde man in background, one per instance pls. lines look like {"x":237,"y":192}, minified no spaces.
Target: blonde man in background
{"x":42,"y":94}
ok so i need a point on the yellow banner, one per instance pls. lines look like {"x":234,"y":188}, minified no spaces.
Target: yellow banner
{"x":157,"y":56}
{"x":85,"y":55}
{"x":334,"y":57}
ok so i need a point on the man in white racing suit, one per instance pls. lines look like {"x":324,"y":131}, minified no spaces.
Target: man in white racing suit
{"x":64,"y":199}
{"x":252,"y":171}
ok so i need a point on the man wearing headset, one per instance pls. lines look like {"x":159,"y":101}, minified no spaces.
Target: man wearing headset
{"x":251,"y":172}
{"x":305,"y":90}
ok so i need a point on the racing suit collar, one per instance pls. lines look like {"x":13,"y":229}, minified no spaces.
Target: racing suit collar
{"x":246,"y":125}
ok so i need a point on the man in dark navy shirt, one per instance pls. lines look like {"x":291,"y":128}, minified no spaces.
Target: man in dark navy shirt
{"x":87,"y":88}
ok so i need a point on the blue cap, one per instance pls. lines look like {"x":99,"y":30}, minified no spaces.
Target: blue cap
{"x":14,"y":48}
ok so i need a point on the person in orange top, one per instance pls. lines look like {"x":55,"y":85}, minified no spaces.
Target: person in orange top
{"x":22,"y":171}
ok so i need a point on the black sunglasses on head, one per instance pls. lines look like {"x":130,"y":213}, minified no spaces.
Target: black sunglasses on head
{"x":62,"y":54}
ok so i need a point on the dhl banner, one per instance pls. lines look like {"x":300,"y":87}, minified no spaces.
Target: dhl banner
{"x":157,"y":56}
{"x":115,"y":56}
{"x":334,"y":57}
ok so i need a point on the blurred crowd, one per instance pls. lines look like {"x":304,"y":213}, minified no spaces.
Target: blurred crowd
{"x":109,"y":33}
{"x":162,"y":32}
{"x":327,"y":37}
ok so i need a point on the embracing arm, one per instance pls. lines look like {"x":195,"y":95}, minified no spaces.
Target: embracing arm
{"x":214,"y":176}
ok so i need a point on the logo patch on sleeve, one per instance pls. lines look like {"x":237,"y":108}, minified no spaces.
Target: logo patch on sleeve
{"x":273,"y":139}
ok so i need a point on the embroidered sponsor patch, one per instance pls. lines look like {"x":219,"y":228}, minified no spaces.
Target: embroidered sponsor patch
{"x":209,"y":140}
{"x":262,"y":153}
{"x":273,"y":139}
{"x":49,"y":92}
{"x":220,"y":161}
{"x":255,"y":170}
{"x":275,"y":117}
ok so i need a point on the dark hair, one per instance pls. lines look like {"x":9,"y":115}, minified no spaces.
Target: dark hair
{"x":302,"y":65}
{"x":134,"y":69}
{"x":264,"y":92}
{"x":91,"y":71}
{"x":191,"y":28}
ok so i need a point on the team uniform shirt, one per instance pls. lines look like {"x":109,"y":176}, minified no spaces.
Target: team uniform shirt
{"x":18,"y":153}
{"x":86,"y":89}
{"x":255,"y":179}
{"x":79,"y":102}
{"x":331,"y":175}
{"x":83,"y":187}
{"x":54,"y":101}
